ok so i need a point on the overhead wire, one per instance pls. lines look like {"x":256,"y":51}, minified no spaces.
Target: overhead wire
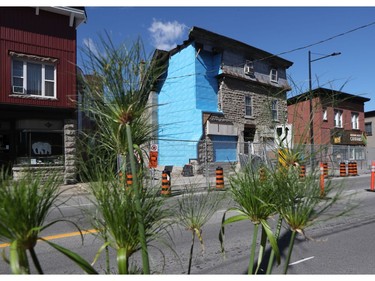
{"x":319,"y":42}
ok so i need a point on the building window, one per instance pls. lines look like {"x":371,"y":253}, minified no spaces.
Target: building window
{"x":40,"y":147}
{"x":355,"y":121}
{"x":273,"y":75}
{"x":274,"y":110}
{"x":338,"y":118}
{"x":248,"y":106}
{"x":368,"y":128}
{"x":325,"y":114}
{"x":249,"y":68}
{"x":33,"y":78}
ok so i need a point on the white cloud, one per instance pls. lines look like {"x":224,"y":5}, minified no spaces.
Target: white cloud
{"x":165,"y":34}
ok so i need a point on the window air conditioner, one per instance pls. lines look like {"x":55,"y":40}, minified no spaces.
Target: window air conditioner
{"x":18,"y":90}
{"x":248,"y":68}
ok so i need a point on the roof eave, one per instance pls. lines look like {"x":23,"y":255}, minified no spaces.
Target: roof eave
{"x":76,"y":16}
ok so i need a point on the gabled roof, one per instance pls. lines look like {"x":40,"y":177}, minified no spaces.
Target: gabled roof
{"x":201,"y":35}
{"x":327,"y":93}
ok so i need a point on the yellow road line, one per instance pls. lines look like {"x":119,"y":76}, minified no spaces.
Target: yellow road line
{"x":59,"y":236}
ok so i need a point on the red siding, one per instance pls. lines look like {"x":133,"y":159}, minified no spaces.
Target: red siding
{"x":46,"y":35}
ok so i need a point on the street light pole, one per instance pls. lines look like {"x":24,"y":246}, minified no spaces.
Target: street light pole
{"x":311,"y":106}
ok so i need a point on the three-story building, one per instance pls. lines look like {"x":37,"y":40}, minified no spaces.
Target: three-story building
{"x":217,"y":95}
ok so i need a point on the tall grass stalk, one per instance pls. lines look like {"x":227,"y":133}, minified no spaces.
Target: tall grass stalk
{"x":254,"y":197}
{"x":272,"y":254}
{"x":118,"y":86}
{"x":192,"y":211}
{"x":116,"y":216}
{"x":139,"y":211}
{"x":301,"y":205}
{"x":24,"y":206}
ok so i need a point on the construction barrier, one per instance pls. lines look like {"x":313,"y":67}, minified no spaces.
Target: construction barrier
{"x":342,"y":169}
{"x":372,"y":183}
{"x":325,"y":169}
{"x":302,"y":171}
{"x":352,"y":168}
{"x":165,"y":183}
{"x":129,"y":179}
{"x":219,"y":178}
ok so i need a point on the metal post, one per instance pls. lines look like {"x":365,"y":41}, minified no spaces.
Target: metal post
{"x":311,"y":118}
{"x":311,"y":107}
{"x":206,"y":164}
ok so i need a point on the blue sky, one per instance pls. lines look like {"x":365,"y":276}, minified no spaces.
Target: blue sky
{"x":278,"y":30}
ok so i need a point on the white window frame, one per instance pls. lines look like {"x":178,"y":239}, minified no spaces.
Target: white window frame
{"x":274,"y":110}
{"x":247,"y":97}
{"x":43,"y":78}
{"x":273,"y":75}
{"x":355,"y":120}
{"x":338,"y":118}
{"x":325,"y":114}
{"x":249,"y":68}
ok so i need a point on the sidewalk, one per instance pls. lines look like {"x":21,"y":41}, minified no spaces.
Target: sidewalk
{"x":180,"y":183}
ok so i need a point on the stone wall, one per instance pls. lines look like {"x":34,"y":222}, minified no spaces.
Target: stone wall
{"x":41,"y":171}
{"x":233,"y":92}
{"x":232,"y":97}
{"x":70,"y":138}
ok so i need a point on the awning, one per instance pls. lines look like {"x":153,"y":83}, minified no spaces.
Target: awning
{"x":33,"y":57}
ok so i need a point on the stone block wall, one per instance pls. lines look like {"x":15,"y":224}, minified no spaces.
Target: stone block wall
{"x":233,"y":92}
{"x":70,"y":138}
{"x":232,"y":98}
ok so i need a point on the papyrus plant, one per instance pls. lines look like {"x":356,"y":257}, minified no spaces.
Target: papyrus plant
{"x":193,"y":210}
{"x":24,"y":206}
{"x":116,"y":217}
{"x":253,"y":193}
{"x":118,"y":86}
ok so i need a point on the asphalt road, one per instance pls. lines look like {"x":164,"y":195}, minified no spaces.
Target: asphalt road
{"x":340,"y":246}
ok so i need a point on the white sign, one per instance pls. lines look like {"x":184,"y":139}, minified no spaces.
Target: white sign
{"x":154,"y":147}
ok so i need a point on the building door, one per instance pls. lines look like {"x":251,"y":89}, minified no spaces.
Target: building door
{"x":4,"y":149}
{"x":5,"y":144}
{"x":248,"y":136}
{"x":225,"y":148}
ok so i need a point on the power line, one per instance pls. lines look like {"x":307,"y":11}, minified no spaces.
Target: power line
{"x":320,"y":42}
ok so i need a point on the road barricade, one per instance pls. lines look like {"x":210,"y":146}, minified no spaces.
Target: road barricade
{"x":342,"y":169}
{"x":219,"y":178}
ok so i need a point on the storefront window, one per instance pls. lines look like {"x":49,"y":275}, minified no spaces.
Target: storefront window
{"x":37,"y":148}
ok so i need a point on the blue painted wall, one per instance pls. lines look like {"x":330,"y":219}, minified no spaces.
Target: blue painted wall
{"x":190,"y":88}
{"x":207,"y":67}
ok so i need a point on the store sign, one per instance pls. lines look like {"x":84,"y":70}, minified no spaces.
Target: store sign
{"x":355,"y":137}
{"x":347,"y":137}
{"x":336,"y":140}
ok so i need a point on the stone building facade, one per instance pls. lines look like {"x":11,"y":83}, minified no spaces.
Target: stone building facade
{"x":221,"y":94}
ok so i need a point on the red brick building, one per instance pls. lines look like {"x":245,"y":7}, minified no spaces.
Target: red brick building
{"x":337,"y":117}
{"x":38,"y":91}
